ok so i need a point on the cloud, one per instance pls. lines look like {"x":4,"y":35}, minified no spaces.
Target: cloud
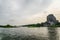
{"x":19,"y":11}
{"x":53,"y":8}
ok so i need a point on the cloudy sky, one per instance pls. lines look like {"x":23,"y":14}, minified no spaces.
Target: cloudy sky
{"x":18,"y":12}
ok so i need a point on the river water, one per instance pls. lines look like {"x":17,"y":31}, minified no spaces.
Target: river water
{"x":26,"y":33}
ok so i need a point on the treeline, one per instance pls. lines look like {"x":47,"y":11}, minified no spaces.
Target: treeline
{"x":31,"y":25}
{"x":7,"y":26}
{"x":34,"y":25}
{"x":56,"y":25}
{"x":41,"y":25}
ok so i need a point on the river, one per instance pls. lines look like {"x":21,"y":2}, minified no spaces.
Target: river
{"x":26,"y":33}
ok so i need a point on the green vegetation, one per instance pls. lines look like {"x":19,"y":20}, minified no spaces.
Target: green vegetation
{"x":41,"y":25}
{"x":7,"y":26}
{"x":31,"y":25}
{"x":55,"y":25}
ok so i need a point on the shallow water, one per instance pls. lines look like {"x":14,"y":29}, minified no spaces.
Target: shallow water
{"x":25,"y":33}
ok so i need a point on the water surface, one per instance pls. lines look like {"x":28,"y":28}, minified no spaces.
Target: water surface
{"x":25,"y":33}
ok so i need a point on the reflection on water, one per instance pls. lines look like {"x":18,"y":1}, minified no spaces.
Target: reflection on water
{"x":52,"y":33}
{"x":25,"y":33}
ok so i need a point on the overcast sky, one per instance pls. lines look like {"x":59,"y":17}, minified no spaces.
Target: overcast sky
{"x":17,"y":12}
